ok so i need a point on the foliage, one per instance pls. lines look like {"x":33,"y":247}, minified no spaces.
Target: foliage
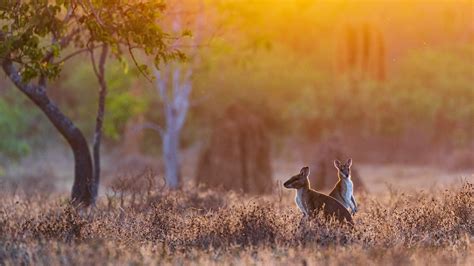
{"x":145,"y":225}
{"x":122,"y":103}
{"x":434,"y":81}
{"x":291,"y":78}
{"x":296,"y":96}
{"x":77,"y":91}
{"x":122,"y":25}
{"x":14,"y":128}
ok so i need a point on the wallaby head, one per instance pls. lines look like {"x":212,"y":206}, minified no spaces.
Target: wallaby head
{"x":344,"y":169}
{"x":300,"y":180}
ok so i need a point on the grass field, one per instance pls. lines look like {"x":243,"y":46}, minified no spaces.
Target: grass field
{"x":144,"y":224}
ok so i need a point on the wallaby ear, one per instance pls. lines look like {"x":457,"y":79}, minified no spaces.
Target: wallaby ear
{"x":337,"y":164}
{"x":349,"y":162}
{"x":304,"y":171}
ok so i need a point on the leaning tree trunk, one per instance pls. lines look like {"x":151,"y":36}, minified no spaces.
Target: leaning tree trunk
{"x":81,"y":194}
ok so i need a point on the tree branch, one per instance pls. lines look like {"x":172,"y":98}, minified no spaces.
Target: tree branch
{"x":62,"y":43}
{"x":69,"y":56}
{"x":136,"y":63}
{"x":69,"y":12}
{"x":161,"y":82}
{"x":94,"y":65}
{"x":95,"y":14}
{"x":149,"y":125}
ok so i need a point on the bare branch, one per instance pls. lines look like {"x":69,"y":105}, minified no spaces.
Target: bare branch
{"x":99,"y":72}
{"x":103,"y":57}
{"x":94,"y":65}
{"x":95,"y":14}
{"x":183,"y":111}
{"x":176,"y":80}
{"x":148,"y":125}
{"x":69,"y":12}
{"x":161,"y":82}
{"x":62,"y":43}
{"x":136,"y":63}
{"x":69,"y":56}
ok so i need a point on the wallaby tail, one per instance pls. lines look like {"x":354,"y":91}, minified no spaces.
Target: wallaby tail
{"x":343,"y":214}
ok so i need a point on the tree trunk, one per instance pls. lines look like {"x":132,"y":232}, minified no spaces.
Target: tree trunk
{"x":100,"y":73}
{"x":171,"y":157}
{"x":81,"y":194}
{"x":174,"y":90}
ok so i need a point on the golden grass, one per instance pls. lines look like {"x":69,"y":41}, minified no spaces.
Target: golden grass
{"x":196,"y":226}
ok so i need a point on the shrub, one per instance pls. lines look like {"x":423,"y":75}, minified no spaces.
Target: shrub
{"x":215,"y":227}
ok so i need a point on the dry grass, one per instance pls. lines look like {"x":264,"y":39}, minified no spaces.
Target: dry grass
{"x":195,"y":226}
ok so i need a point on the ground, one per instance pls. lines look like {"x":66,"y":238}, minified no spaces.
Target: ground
{"x":199,"y":226}
{"x":411,"y":215}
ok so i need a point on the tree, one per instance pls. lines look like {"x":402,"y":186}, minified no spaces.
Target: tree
{"x":173,"y":83}
{"x":34,"y":37}
{"x":175,"y":106}
{"x":100,"y":73}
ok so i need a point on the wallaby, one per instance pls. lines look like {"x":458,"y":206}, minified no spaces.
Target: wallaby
{"x":344,"y":189}
{"x":310,"y":201}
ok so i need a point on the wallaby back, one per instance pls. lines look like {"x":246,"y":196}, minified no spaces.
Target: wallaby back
{"x":330,"y":206}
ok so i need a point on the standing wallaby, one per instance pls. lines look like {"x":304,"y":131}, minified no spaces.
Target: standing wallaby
{"x":344,"y":189}
{"x":310,"y":201}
